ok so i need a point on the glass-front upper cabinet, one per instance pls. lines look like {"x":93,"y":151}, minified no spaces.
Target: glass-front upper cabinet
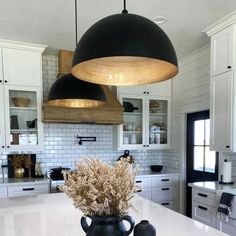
{"x":24,"y":128}
{"x":132,"y":131}
{"x":2,"y":122}
{"x":146,"y":122}
{"x":158,"y":122}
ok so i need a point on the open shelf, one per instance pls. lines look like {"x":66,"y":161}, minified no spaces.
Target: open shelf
{"x":24,"y":108}
{"x":24,"y":130}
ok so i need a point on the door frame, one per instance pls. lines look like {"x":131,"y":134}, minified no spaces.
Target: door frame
{"x":190,"y":108}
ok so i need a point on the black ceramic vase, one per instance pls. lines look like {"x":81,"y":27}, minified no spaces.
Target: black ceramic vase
{"x":107,"y":226}
{"x":144,"y":229}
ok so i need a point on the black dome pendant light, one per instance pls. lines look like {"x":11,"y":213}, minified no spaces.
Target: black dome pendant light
{"x":68,"y":91}
{"x":124,"y":49}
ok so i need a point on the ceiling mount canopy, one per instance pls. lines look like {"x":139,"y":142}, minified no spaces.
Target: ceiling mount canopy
{"x":124,"y":49}
{"x":68,"y":91}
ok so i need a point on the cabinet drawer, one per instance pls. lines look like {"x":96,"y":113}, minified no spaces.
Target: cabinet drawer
{"x":227,"y":227}
{"x":164,"y":193}
{"x":164,"y":181}
{"x":27,"y":190}
{"x":169,"y":204}
{"x":204,"y":197}
{"x":145,"y":193}
{"x":3,"y":192}
{"x":143,"y":182}
{"x":204,"y":213}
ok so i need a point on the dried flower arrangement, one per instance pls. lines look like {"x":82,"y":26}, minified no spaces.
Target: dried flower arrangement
{"x":99,"y":189}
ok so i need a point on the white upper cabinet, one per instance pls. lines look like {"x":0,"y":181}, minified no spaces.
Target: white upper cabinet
{"x":21,"y":127}
{"x":222,"y":51}
{"x":160,"y":89}
{"x":221,"y":113}
{"x":22,"y":67}
{"x":223,"y":97}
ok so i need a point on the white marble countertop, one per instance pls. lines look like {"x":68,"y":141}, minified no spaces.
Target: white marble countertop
{"x":214,"y":186}
{"x":55,"y":215}
{"x":150,"y":173}
{"x":12,"y":181}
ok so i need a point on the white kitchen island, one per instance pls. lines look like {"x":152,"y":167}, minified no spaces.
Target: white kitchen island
{"x":55,"y":215}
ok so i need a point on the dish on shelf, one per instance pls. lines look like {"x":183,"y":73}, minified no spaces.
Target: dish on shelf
{"x":154,"y":106}
{"x":20,"y":101}
{"x":156,"y":168}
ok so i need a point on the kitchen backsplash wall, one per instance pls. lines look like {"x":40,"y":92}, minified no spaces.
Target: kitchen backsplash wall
{"x":62,"y":148}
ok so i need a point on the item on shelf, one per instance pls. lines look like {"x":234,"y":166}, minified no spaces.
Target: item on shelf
{"x":155,"y":129}
{"x":156,"y":168}
{"x":154,"y":106}
{"x":131,"y":126}
{"x":125,"y":127}
{"x":139,"y":128}
{"x":126,"y":140}
{"x":31,"y":124}
{"x":14,"y":122}
{"x":19,"y":173}
{"x":20,"y":102}
{"x":144,"y":228}
{"x":133,"y":139}
{"x":126,"y":155}
{"x":38,"y":170}
{"x":15,"y":138}
{"x":128,"y":107}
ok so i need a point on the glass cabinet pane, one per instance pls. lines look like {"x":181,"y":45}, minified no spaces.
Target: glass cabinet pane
{"x":23,"y":117}
{"x":133,"y":120}
{"x":158,"y":121}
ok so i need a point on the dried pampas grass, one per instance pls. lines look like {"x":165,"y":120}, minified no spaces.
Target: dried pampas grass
{"x":101,"y":189}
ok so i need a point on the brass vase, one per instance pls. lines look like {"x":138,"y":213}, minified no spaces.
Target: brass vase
{"x":19,"y":173}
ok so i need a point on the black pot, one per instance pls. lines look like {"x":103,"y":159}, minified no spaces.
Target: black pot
{"x":144,"y":228}
{"x":56,"y":173}
{"x":31,"y":124}
{"x":107,"y":226}
{"x":128,"y":107}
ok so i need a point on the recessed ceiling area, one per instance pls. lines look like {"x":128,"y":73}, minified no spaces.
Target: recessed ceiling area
{"x":52,"y":22}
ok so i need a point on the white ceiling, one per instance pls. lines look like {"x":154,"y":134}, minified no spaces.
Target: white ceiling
{"x":51,"y":22}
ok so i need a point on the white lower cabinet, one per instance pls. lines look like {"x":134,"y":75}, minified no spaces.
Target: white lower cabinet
{"x":3,"y":192}
{"x":227,"y":227}
{"x":160,"y":189}
{"x":21,"y":189}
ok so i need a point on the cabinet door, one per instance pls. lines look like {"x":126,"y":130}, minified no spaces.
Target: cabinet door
{"x":222,"y":51}
{"x":205,"y":214}
{"x":158,"y":122}
{"x":140,"y":89}
{"x":221,"y":112}
{"x":131,"y":133}
{"x":22,"y":67}
{"x":160,"y":89}
{"x":24,"y":129}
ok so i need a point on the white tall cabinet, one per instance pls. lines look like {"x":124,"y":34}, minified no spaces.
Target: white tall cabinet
{"x":223,"y":97}
{"x":21,"y":127}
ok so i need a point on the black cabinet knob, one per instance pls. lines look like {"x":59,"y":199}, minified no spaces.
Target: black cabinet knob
{"x":227,"y":146}
{"x":147,"y":145}
{"x":0,"y":81}
{"x":147,"y":92}
{"x":8,"y":146}
{"x":229,"y":67}
{"x":5,"y":81}
{"x":144,"y":92}
{"x":2,"y":146}
{"x":144,"y":145}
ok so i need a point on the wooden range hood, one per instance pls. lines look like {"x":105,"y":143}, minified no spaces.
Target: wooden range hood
{"x":110,"y":113}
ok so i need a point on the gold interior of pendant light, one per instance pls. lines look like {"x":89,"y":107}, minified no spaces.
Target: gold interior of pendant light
{"x":124,"y":70}
{"x":75,"y":103}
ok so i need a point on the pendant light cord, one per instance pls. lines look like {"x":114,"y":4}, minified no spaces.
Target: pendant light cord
{"x":125,"y":11}
{"x":76,"y":24}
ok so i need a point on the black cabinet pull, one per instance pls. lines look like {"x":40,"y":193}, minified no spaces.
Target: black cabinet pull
{"x":5,"y":81}
{"x":165,"y":180}
{"x":144,"y":92}
{"x":165,"y":189}
{"x":202,"y":208}
{"x":2,"y":146}
{"x":138,"y":191}
{"x":147,"y":145}
{"x":227,"y":146}
{"x":165,"y":203}
{"x":147,"y":92}
{"x":229,"y":67}
{"x":28,"y":189}
{"x":144,"y":145}
{"x":202,"y":195}
{"x":8,"y":146}
{"x":139,"y":181}
{"x":0,"y":81}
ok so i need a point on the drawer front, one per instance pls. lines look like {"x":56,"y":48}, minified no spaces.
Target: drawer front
{"x":27,"y":190}
{"x":143,"y":182}
{"x":227,"y":227}
{"x":204,"y":213}
{"x":164,"y":181}
{"x":204,"y":197}
{"x":145,"y":193}
{"x":169,"y":204}
{"x":164,"y":193}
{"x":3,"y":192}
